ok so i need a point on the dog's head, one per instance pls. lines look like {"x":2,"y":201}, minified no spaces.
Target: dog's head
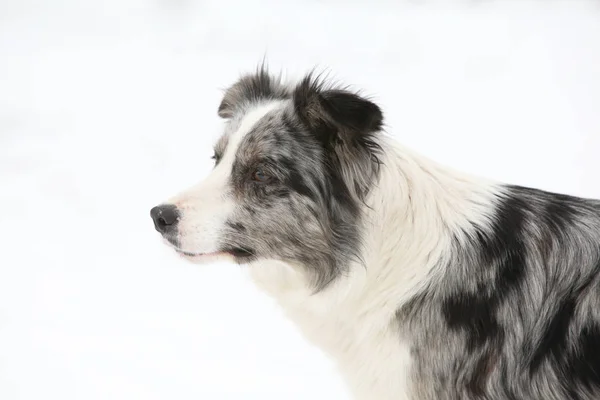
{"x":292,"y":170}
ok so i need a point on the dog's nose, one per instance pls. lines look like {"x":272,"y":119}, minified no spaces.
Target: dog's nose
{"x":165,"y":217}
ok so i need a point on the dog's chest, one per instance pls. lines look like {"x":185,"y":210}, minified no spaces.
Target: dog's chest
{"x":370,"y":354}
{"x":374,"y":362}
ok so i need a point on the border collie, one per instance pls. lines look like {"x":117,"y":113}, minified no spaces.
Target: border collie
{"x":420,"y":282}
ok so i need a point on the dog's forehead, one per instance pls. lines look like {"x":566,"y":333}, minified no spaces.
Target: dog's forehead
{"x":262,"y":126}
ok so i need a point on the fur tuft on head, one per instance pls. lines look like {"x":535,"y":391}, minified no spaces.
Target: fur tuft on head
{"x":251,"y":88}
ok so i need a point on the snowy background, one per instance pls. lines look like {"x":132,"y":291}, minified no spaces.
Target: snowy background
{"x":107,"y":108}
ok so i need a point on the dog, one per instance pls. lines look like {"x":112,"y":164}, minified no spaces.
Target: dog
{"x":419,"y":281}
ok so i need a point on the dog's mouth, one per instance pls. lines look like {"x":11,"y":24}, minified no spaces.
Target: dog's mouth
{"x":236,"y":252}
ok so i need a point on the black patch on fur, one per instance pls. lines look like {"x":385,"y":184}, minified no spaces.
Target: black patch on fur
{"x":554,"y":340}
{"x":240,"y":252}
{"x":473,"y":314}
{"x":295,"y":181}
{"x":584,"y":363}
{"x":236,"y":226}
{"x":499,"y":269}
{"x":502,"y":248}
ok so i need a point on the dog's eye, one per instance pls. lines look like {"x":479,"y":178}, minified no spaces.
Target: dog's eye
{"x":259,"y":175}
{"x":216,"y":157}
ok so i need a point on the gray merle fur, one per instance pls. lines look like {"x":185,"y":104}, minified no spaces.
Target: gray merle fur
{"x":517,"y":314}
{"x":311,"y":151}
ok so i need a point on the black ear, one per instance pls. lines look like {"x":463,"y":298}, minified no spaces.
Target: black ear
{"x":336,"y":114}
{"x":346,"y":124}
{"x":251,"y":88}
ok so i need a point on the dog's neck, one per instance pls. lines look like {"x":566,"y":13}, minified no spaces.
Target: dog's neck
{"x":416,"y":210}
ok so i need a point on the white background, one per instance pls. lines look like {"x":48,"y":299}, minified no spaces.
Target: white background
{"x":107,"y":108}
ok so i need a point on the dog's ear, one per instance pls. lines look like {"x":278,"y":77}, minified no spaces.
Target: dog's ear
{"x":250,"y":88}
{"x":346,"y":124}
{"x":334,"y":114}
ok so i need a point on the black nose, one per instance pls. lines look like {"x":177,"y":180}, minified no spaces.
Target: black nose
{"x":165,"y":218}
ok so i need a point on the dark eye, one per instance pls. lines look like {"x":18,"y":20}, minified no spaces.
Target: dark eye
{"x":216,"y":157}
{"x":259,"y":175}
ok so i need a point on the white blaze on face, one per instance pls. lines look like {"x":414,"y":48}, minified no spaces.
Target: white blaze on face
{"x":206,"y":207}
